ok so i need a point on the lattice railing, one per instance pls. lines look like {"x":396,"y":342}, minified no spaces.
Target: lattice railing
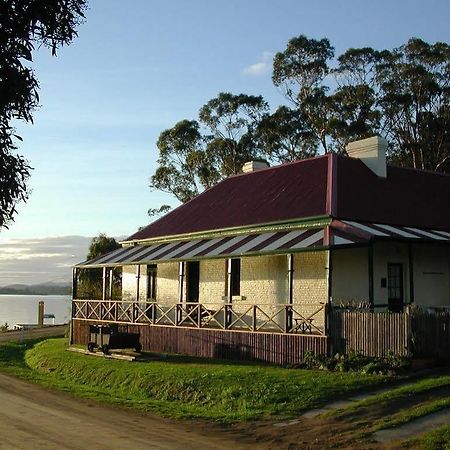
{"x":279,"y":318}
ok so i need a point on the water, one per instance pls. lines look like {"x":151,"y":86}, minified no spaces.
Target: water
{"x":24,"y":308}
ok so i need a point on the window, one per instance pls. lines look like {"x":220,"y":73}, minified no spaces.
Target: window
{"x":193,"y":281}
{"x":151,"y":281}
{"x":395,"y":287}
{"x":235,"y":272}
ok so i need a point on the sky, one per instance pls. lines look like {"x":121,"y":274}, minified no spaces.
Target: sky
{"x":136,"y":69}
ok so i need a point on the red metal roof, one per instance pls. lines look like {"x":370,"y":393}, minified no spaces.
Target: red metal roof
{"x":338,"y":186}
{"x":407,"y":197}
{"x":280,"y":193}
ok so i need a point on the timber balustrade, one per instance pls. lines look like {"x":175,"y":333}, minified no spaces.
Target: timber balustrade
{"x":277,"y":318}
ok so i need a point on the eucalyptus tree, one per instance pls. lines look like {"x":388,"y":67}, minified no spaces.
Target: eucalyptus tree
{"x":401,"y":94}
{"x":195,"y":155}
{"x":24,"y":26}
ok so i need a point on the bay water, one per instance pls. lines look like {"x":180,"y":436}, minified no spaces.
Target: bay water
{"x":24,"y":308}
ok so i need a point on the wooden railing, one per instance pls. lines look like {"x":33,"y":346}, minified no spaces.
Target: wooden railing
{"x":278,"y":318}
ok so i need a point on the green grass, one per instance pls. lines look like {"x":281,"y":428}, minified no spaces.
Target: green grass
{"x":409,"y":390}
{"x":413,"y":413}
{"x":181,"y":387}
{"x":438,"y":439}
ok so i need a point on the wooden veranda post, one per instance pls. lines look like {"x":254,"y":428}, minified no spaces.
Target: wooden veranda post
{"x":411,"y":272}
{"x":105,"y":283}
{"x":74,"y":296}
{"x":75,"y":282}
{"x":181,"y":275}
{"x":291,"y":292}
{"x":370,"y":266}
{"x":111,"y":271}
{"x":138,"y":285}
{"x":229,"y":292}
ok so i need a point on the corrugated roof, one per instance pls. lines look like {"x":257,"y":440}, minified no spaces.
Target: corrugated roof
{"x":276,"y":194}
{"x":330,"y":185}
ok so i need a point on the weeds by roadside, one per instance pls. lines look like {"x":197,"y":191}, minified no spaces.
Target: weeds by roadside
{"x":391,"y":364}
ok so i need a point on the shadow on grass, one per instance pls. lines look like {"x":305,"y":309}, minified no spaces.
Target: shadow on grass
{"x":12,"y":354}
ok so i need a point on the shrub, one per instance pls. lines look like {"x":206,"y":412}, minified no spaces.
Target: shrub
{"x":355,"y":362}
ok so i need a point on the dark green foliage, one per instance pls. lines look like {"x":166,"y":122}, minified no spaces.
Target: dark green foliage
{"x":356,"y":362}
{"x":191,"y":160}
{"x":90,"y":285}
{"x":285,"y":136}
{"x":401,"y":94}
{"x":25,"y":25}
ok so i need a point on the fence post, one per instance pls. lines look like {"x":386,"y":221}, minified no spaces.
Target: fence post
{"x":226,"y":320}
{"x":409,"y":331}
{"x":254,"y":318}
{"x":327,"y":328}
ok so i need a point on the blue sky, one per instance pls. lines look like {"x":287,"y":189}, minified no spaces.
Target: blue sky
{"x":138,"y":67}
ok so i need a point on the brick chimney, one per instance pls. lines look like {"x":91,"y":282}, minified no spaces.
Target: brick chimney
{"x":253,"y":166}
{"x":372,"y":152}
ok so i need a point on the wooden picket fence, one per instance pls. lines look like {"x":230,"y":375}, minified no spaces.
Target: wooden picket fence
{"x":415,"y":332}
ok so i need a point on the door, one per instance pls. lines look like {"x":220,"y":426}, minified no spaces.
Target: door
{"x":395,"y":287}
{"x":193,"y":281}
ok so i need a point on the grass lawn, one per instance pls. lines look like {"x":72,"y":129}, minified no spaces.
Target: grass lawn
{"x":181,"y":387}
{"x":438,"y":439}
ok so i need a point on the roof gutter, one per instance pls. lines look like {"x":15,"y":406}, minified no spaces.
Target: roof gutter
{"x":310,"y":222}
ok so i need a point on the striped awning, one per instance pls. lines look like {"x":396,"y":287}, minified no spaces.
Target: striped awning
{"x":229,"y":246}
{"x":346,"y":232}
{"x":339,"y":233}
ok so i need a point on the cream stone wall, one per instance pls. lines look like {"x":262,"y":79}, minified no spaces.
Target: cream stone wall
{"x":311,"y":284}
{"x":129,"y":283}
{"x":212,"y":281}
{"x":264,"y":279}
{"x":432,"y":275}
{"x":431,"y":269}
{"x":350,"y":275}
{"x":167,"y":283}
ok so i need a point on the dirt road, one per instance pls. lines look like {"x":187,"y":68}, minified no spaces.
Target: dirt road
{"x":34,"y":418}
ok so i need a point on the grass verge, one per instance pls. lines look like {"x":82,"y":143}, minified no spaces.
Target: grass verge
{"x":413,"y":413}
{"x":409,"y":390}
{"x":438,"y":439}
{"x":181,"y":387}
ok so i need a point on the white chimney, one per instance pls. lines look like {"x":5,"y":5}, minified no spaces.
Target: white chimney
{"x":253,"y":166}
{"x":372,"y":152}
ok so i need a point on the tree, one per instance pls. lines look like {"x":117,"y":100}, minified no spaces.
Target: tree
{"x":299,"y":71}
{"x":401,"y":94}
{"x":414,"y":82}
{"x":91,"y":279}
{"x":285,"y":136}
{"x":191,"y":160}
{"x":25,"y":25}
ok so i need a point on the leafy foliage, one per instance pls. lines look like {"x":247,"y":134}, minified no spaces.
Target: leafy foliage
{"x":401,"y":94}
{"x":25,"y":24}
{"x":356,"y":362}
{"x":91,"y":279}
{"x":191,"y":159}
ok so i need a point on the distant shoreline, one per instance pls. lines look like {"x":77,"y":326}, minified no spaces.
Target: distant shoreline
{"x":36,"y":290}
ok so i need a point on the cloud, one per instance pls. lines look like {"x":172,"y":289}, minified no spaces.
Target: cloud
{"x":260,"y":68}
{"x":30,"y":261}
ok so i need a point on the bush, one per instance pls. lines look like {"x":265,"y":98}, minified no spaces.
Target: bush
{"x":4,"y":327}
{"x":355,"y":362}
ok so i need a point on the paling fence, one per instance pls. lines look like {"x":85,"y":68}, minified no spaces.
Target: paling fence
{"x":414,"y":332}
{"x":276,"y":333}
